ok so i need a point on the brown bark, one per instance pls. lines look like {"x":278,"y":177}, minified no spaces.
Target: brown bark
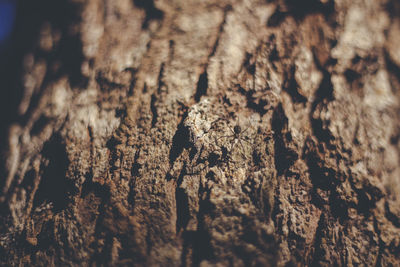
{"x":205,"y":133}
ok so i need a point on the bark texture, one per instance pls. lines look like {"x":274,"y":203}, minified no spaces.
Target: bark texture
{"x":196,"y":133}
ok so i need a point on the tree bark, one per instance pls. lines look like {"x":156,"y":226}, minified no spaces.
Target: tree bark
{"x":196,"y":133}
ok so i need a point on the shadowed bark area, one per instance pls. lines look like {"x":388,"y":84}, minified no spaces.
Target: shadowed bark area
{"x":196,"y":133}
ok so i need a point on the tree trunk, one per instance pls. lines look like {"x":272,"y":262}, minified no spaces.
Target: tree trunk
{"x":196,"y":133}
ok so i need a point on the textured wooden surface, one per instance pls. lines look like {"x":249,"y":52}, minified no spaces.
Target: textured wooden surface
{"x":196,"y":133}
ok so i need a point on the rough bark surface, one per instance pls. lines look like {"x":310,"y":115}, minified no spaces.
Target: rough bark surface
{"x":187,"y":133}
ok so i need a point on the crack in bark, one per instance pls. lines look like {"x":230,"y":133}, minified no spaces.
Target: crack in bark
{"x":202,"y":248}
{"x":160,"y":78}
{"x":153,"y":109}
{"x":54,"y":186}
{"x":182,"y":209}
{"x":380,"y":244}
{"x":135,"y":172}
{"x":284,"y":156}
{"x":152,"y":13}
{"x":392,"y":217}
{"x":299,"y":10}
{"x":292,"y":87}
{"x":107,"y":85}
{"x":202,"y":84}
{"x":313,"y":259}
{"x":324,"y":93}
{"x":180,"y":140}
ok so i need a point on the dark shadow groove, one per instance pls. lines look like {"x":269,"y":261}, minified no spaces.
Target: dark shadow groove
{"x":284,"y":156}
{"x":299,"y":10}
{"x":292,"y":87}
{"x":323,"y":95}
{"x":202,"y":86}
{"x":54,"y":186}
{"x":153,"y":110}
{"x":152,"y":13}
{"x":182,"y":209}
{"x":179,"y":141}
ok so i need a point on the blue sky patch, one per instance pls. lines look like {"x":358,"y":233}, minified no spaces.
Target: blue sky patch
{"x":7,"y":16}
